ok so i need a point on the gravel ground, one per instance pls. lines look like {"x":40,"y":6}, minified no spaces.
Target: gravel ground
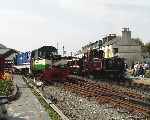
{"x":78,"y":108}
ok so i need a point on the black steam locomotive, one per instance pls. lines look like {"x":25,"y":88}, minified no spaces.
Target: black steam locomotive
{"x":94,"y":64}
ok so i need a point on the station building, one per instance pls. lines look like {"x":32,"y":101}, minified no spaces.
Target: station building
{"x":8,"y":53}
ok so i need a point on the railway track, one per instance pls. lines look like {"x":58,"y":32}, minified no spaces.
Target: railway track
{"x":105,"y":93}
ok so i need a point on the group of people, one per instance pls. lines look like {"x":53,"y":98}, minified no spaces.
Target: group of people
{"x":139,"y":69}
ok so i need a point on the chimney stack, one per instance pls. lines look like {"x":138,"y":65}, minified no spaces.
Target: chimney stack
{"x":126,"y":35}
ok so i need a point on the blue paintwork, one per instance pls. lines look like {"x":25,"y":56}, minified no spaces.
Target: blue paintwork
{"x":23,"y":58}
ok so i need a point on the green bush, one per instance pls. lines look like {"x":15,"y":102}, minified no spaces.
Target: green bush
{"x":6,"y":87}
{"x":147,"y":74}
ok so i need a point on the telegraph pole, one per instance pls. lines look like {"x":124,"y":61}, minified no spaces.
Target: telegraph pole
{"x":71,"y":54}
{"x":63,"y":50}
{"x":57,"y":48}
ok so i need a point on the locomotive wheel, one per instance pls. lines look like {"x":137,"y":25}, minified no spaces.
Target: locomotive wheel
{"x":91,"y":76}
{"x":111,"y":75}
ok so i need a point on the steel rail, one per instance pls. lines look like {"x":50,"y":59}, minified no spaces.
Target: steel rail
{"x":106,"y":94}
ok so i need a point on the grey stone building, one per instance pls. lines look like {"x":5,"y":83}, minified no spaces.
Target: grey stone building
{"x":123,"y":46}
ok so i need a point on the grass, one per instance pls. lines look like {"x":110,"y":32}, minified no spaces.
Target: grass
{"x":6,"y":87}
{"x":52,"y":114}
{"x":147,"y":74}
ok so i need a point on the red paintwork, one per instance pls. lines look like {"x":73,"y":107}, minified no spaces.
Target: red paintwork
{"x":54,"y":73}
{"x":93,"y":61}
{"x":94,"y":66}
{"x":2,"y":62}
{"x":4,"y":65}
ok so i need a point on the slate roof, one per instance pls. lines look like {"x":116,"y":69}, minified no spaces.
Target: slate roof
{"x":3,"y":50}
{"x":7,"y":53}
{"x":118,"y":41}
{"x":115,"y":40}
{"x":2,"y":46}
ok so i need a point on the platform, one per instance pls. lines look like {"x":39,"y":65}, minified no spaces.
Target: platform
{"x":26,"y":107}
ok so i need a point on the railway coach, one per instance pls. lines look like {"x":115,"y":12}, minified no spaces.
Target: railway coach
{"x":22,"y":62}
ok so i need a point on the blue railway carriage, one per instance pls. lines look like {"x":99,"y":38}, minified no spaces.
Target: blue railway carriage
{"x":22,"y":62}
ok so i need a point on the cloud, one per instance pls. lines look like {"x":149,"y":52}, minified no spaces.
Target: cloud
{"x":23,"y":32}
{"x":28,"y":24}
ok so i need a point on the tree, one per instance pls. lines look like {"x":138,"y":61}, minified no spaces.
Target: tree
{"x":146,"y":48}
{"x":139,"y":41}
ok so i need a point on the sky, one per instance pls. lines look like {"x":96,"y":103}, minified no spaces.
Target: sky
{"x":29,"y":24}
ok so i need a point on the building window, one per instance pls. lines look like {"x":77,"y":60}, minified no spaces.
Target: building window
{"x":115,"y":50}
